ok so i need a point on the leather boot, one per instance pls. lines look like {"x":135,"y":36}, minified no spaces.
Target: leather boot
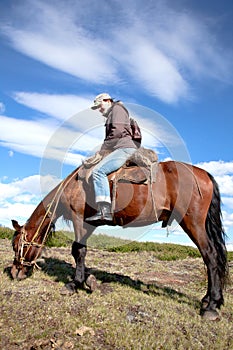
{"x":103,"y":213}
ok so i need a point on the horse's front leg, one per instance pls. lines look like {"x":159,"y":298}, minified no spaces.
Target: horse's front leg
{"x":79,"y":252}
{"x":82,"y":278}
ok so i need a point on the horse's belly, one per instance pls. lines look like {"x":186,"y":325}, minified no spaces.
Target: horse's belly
{"x":133,"y":204}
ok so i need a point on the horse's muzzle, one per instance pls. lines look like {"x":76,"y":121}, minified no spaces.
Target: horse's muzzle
{"x":19,"y":272}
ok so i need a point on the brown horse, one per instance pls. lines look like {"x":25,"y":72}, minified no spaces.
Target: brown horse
{"x":180,"y":191}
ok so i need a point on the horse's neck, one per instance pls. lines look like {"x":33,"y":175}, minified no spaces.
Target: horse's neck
{"x":49,"y":209}
{"x":45,"y":214}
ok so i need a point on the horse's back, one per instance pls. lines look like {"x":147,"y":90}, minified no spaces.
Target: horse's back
{"x":185,"y":186}
{"x":184,"y":172}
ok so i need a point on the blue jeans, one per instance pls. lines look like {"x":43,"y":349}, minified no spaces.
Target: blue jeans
{"x":108,"y":164}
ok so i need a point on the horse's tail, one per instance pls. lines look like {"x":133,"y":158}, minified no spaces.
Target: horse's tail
{"x":216,"y":233}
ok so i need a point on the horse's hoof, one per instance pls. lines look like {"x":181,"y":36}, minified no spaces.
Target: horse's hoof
{"x":21,"y":275}
{"x":14,"y":272}
{"x":68,"y":289}
{"x":91,"y":282}
{"x":210,"y":315}
{"x":204,"y":305}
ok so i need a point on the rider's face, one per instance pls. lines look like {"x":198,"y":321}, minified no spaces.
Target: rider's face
{"x":104,"y":106}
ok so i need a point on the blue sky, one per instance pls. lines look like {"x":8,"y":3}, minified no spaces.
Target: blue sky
{"x":171,"y":62}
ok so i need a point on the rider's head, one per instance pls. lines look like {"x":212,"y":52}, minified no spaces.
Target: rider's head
{"x":102,"y":102}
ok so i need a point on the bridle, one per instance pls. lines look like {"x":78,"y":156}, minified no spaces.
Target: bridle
{"x":24,"y":245}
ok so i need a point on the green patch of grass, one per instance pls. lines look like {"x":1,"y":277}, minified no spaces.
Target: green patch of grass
{"x":230,"y":256}
{"x":165,"y":251}
{"x":102,"y":241}
{"x":59,"y":239}
{"x":6,"y":232}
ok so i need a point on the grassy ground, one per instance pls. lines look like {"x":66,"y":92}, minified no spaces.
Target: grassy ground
{"x":141,"y":302}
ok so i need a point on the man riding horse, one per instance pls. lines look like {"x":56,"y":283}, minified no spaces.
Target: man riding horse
{"x":119,"y":147}
{"x":178,"y":191}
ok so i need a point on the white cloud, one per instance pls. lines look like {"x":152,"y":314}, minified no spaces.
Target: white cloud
{"x":226,"y":184}
{"x":16,"y":211}
{"x":64,"y":142}
{"x":19,"y":198}
{"x":158,"y":74}
{"x":217,"y":168}
{"x":229,"y":247}
{"x":223,"y":174}
{"x":28,"y":186}
{"x":19,"y":135}
{"x":58,"y":106}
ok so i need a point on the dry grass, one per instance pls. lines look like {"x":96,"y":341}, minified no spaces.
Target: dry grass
{"x":140,"y":303}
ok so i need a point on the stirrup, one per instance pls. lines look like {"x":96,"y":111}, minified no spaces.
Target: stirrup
{"x":103,"y":213}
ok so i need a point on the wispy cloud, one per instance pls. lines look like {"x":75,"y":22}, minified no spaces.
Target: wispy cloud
{"x":66,"y":142}
{"x":58,"y":106}
{"x":159,"y":52}
{"x":19,"y":135}
{"x":150,"y":67}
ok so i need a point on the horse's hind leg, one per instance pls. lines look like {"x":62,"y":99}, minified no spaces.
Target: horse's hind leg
{"x":214,"y":297}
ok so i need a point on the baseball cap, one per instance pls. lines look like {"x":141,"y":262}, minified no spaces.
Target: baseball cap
{"x":99,"y":98}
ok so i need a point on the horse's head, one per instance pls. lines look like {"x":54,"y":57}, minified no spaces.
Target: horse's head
{"x":20,"y":268}
{"x":27,"y":248}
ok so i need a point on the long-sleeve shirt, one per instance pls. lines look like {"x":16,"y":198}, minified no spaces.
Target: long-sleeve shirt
{"x":118,"y":132}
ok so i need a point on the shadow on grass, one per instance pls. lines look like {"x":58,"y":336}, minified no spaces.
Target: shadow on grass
{"x":151,"y":288}
{"x":7,"y":271}
{"x":60,"y":269}
{"x":64,"y":272}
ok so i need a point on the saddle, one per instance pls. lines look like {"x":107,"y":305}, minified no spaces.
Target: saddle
{"x":140,"y":168}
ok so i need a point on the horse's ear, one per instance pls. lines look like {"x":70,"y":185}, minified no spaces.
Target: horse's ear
{"x":16,"y":225}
